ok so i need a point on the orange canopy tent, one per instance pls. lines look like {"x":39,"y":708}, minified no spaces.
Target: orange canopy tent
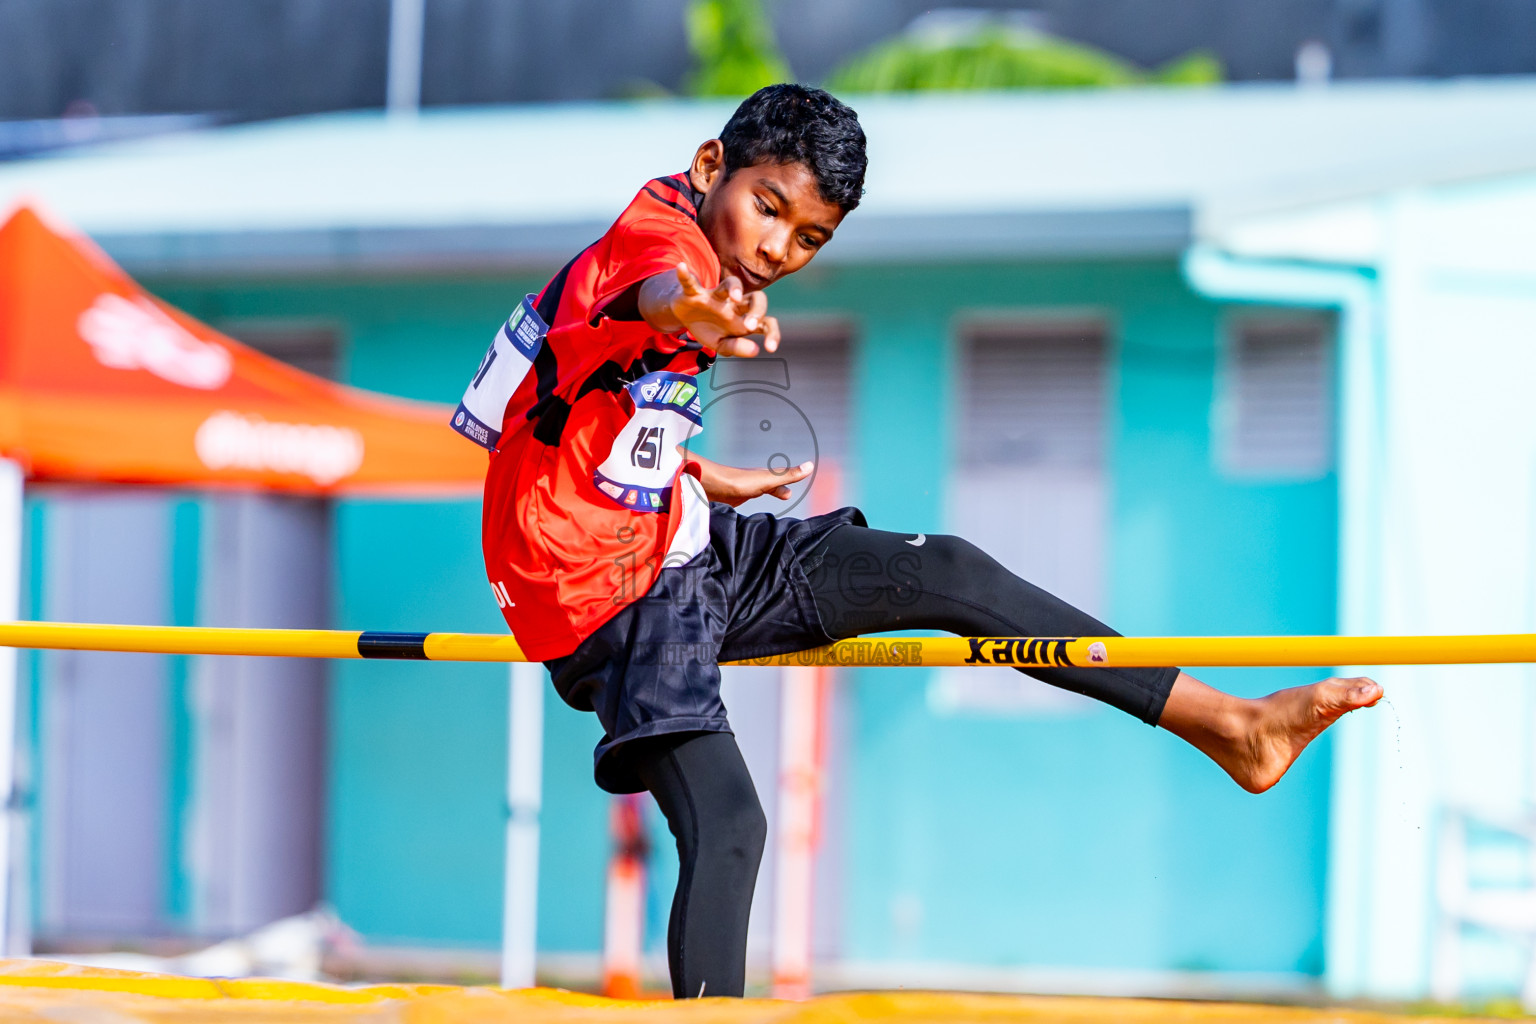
{"x":101,"y":382}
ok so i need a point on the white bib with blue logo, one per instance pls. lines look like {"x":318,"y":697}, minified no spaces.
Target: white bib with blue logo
{"x":644,"y":460}
{"x":505,"y":366}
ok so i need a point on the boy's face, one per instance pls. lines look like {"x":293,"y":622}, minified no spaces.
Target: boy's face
{"x":765,"y":221}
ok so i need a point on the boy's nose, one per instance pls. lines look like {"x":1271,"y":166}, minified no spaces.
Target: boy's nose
{"x":772,"y":248}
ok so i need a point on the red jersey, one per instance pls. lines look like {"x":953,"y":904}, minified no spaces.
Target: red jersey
{"x":587,"y":497}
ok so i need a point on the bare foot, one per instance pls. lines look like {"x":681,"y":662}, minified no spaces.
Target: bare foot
{"x":1257,"y":741}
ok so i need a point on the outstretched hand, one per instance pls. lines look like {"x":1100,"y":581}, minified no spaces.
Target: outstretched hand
{"x":734,"y":485}
{"x":723,"y":319}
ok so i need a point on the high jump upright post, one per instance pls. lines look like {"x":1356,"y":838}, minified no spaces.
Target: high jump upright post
{"x":804,"y":700}
{"x":525,"y":771}
{"x":12,"y":484}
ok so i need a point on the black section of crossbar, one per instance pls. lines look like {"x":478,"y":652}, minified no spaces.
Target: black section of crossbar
{"x":401,"y":646}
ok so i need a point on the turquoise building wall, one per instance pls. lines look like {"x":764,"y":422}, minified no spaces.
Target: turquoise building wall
{"x":1089,"y":841}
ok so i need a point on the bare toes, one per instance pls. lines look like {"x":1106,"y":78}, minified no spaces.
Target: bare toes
{"x":1356,"y":693}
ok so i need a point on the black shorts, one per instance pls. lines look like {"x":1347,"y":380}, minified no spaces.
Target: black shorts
{"x":654,"y":667}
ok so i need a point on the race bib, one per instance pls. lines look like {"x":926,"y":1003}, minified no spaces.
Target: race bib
{"x":508,"y":360}
{"x":644,"y":460}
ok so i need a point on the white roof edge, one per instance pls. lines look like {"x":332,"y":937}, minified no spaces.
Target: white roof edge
{"x":864,"y":239}
{"x":1112,"y":172}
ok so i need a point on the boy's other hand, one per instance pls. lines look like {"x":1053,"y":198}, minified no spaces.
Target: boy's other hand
{"x":734,"y":485}
{"x":723,"y":319}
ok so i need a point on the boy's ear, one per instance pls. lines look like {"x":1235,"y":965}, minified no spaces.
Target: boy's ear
{"x":708,"y":165}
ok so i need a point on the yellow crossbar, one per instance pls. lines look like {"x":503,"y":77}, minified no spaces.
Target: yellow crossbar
{"x":1086,"y":652}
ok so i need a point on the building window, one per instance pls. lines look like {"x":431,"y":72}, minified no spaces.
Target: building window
{"x":1032,"y":396}
{"x":1030,"y":483}
{"x":1273,"y":413}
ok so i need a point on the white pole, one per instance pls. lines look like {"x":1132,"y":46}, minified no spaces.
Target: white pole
{"x":407,"y":28}
{"x":802,"y":722}
{"x":525,"y":766}
{"x":800,"y":725}
{"x":624,"y":899}
{"x":11,"y":482}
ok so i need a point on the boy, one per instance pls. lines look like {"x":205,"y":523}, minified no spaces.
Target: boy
{"x":612,"y":566}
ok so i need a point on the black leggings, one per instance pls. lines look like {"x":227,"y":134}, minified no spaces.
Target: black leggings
{"x":701,"y":784}
{"x":864,"y":581}
{"x":874,"y":581}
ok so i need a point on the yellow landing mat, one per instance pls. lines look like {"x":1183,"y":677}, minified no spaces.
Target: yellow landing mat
{"x":41,"y":991}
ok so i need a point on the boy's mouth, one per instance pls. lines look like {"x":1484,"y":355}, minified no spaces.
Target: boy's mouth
{"x":751,"y":280}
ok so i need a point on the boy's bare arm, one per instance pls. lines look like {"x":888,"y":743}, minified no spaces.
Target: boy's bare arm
{"x":734,"y":485}
{"x":720,"y":318}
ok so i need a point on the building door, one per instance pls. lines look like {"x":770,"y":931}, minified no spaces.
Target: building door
{"x":259,"y":791}
{"x":104,"y":720}
{"x":1029,"y":485}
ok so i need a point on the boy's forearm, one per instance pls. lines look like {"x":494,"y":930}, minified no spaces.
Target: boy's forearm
{"x":657,"y":295}
{"x":720,"y":482}
{"x":720,"y":319}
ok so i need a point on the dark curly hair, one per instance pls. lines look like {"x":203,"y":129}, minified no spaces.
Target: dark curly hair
{"x":794,"y":124}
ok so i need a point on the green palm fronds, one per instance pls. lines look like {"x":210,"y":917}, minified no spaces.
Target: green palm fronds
{"x":733,"y":45}
{"x":999,"y":57}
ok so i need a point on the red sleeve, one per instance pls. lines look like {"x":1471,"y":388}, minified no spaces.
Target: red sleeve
{"x":649,"y":246}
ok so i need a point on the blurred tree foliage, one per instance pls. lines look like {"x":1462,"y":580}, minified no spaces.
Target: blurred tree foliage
{"x":733,"y":45}
{"x":999,"y":56}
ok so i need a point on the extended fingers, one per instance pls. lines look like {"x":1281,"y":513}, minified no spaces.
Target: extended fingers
{"x":795,"y":474}
{"x":730,"y":290}
{"x":792,"y":475}
{"x":767,"y":326}
{"x":770,"y":329}
{"x":727,"y":309}
{"x":730,"y":302}
{"x":689,"y":283}
{"x":741,"y":347}
{"x":752,"y":307}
